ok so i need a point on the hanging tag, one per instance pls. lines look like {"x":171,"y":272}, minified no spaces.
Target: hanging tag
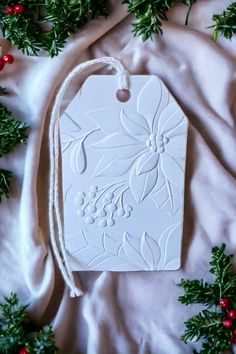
{"x":123,"y":176}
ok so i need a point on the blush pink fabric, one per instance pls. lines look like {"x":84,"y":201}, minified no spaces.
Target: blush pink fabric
{"x":124,"y":313}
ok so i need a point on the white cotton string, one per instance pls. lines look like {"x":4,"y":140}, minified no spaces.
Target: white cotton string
{"x":55,"y":217}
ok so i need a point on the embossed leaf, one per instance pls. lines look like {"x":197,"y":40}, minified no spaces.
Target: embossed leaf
{"x":111,"y":245}
{"x":118,"y":146}
{"x":169,"y":198}
{"x":176,"y":146}
{"x":172,"y":170}
{"x":135,"y":124}
{"x":66,"y":140}
{"x":132,"y":253}
{"x":150,"y":100}
{"x":69,"y":125}
{"x":88,"y":255}
{"x":78,"y":158}
{"x":112,"y":168}
{"x":103,"y":117}
{"x":142,"y":185}
{"x":150,"y":251}
{"x":161,"y":197}
{"x":170,"y":245}
{"x":147,"y":162}
{"x":170,"y":118}
{"x":106,"y":263}
{"x":76,"y":241}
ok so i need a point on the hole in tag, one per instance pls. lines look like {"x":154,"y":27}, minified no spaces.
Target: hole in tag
{"x":123,"y":95}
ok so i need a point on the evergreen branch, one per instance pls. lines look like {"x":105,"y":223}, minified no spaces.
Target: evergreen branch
{"x":48,"y":23}
{"x":12,"y":132}
{"x":5,"y":177}
{"x":197,"y":292}
{"x":225,"y":23}
{"x":203,"y":325}
{"x":225,"y":279}
{"x":43,"y":342}
{"x":150,"y":14}
{"x":216,"y":325}
{"x":17,"y":330}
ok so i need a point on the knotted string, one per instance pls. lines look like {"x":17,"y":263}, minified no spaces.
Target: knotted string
{"x":55,"y":217}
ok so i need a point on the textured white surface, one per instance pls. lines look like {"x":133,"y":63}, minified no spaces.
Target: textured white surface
{"x":123,"y":176}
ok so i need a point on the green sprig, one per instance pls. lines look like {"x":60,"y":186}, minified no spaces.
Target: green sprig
{"x":225,"y":23}
{"x":208,"y":324}
{"x":12,"y":133}
{"x":150,"y":14}
{"x":18,"y":331}
{"x":47,"y":24}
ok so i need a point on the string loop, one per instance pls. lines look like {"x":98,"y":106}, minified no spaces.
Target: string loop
{"x":55,"y":217}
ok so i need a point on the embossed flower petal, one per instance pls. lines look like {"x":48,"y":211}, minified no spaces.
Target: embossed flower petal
{"x":78,"y":158}
{"x":132,"y":253}
{"x":118,"y":146}
{"x":172,"y":170}
{"x":142,"y":185}
{"x":147,"y":162}
{"x":176,"y":146}
{"x":135,"y":124}
{"x":112,"y":168}
{"x":170,"y":118}
{"x":181,"y":129}
{"x":99,"y":117}
{"x":150,"y":251}
{"x":163,"y":103}
{"x":149,"y":99}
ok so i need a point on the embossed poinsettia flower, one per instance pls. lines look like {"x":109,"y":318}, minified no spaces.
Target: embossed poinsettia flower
{"x":147,"y":143}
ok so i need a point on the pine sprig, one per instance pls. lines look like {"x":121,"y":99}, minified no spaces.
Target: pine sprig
{"x":12,"y":133}
{"x":197,"y":292}
{"x":225,"y":23}
{"x":150,"y":14}
{"x":5,"y":177}
{"x":48,"y":23}
{"x":17,"y":330}
{"x":203,"y":325}
{"x":209,"y":325}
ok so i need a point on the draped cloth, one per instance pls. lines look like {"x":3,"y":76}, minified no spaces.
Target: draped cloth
{"x":123,"y":313}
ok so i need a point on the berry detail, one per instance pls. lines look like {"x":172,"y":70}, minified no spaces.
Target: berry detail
{"x":19,"y":9}
{"x":24,"y":351}
{"x":233,"y":340}
{"x":8,"y":58}
{"x":224,"y":303}
{"x":227,"y":323}
{"x":232,"y":314}
{"x":9,"y":10}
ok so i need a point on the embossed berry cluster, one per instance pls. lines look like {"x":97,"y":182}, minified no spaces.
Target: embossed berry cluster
{"x":103,"y":205}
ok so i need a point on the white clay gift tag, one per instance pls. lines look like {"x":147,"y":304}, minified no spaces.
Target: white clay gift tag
{"x":123,"y":166}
